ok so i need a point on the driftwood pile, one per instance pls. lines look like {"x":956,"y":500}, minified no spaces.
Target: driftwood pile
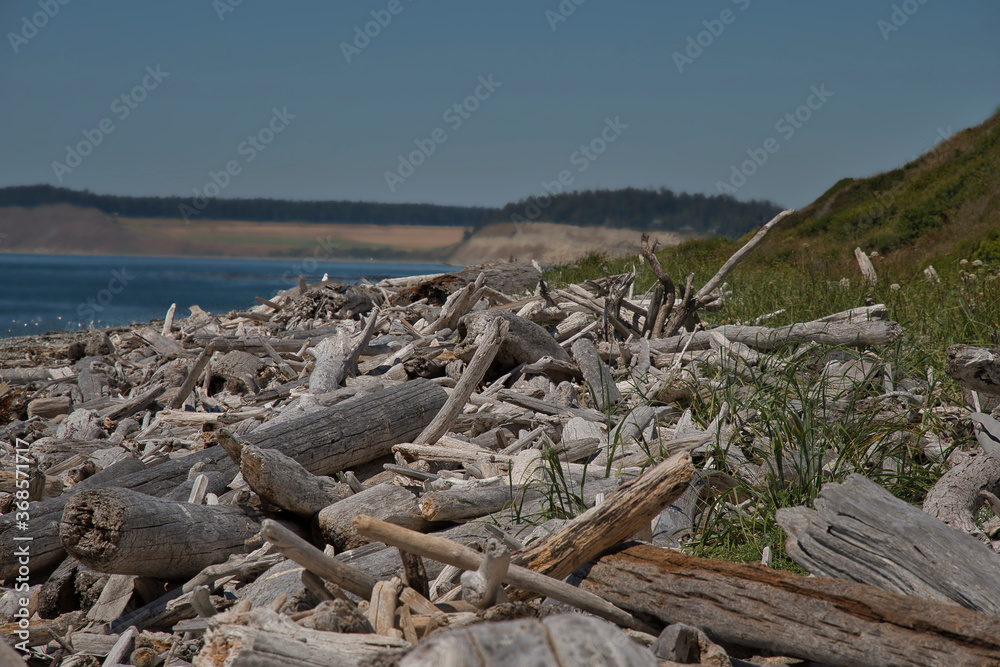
{"x":369,"y":474}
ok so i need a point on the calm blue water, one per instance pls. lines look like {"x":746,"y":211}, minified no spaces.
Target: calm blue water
{"x":67,"y":292}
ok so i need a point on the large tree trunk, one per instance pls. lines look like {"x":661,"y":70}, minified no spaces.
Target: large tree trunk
{"x":356,"y":431}
{"x":123,"y":532}
{"x":831,"y":621}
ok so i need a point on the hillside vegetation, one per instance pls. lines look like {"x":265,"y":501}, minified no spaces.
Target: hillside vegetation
{"x":942,"y":209}
{"x":629,"y":208}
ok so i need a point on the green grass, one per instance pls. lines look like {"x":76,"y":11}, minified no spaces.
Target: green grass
{"x":805,"y":450}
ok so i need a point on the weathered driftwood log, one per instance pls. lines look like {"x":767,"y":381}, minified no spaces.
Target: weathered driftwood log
{"x":765,"y":338}
{"x":597,"y":375}
{"x":458,"y":555}
{"x":956,"y":496}
{"x":525,"y":342}
{"x":282,"y":481}
{"x":620,"y":516}
{"x":974,"y":368}
{"x":337,"y":357}
{"x":465,"y":503}
{"x":859,"y":531}
{"x":832,"y":621}
{"x":317,"y":562}
{"x":192,"y":377}
{"x":263,"y":638}
{"x":43,"y":529}
{"x":123,"y":532}
{"x":567,"y":640}
{"x":385,"y":501}
{"x":865,"y":264}
{"x":355,"y":431}
{"x":487,"y":347}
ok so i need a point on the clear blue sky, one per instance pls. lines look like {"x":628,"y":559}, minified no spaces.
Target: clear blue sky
{"x":893,"y":93}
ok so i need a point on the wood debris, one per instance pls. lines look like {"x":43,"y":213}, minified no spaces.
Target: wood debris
{"x":305,"y":482}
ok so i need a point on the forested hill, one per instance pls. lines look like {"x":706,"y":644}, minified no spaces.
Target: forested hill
{"x":628,"y":208}
{"x":643,"y":209}
{"x":249,"y":210}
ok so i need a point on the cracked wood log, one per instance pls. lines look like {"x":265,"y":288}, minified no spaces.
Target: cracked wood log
{"x":279,"y":479}
{"x":956,"y":496}
{"x":385,"y":501}
{"x":832,"y":621}
{"x":620,"y":516}
{"x":860,"y":532}
{"x":123,"y":532}
{"x":974,"y":368}
{"x":355,"y":431}
{"x":46,"y":547}
{"x":597,"y":375}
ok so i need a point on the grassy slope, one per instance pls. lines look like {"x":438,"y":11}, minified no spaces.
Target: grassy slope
{"x":943,"y":208}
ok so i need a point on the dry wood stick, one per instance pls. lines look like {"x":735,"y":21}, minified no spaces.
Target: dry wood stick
{"x":458,"y":555}
{"x":489,"y":345}
{"x":738,"y":256}
{"x":317,"y":562}
{"x":619,"y":517}
{"x":192,"y":377}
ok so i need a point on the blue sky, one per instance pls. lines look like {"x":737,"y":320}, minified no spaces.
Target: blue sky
{"x":686,"y":116}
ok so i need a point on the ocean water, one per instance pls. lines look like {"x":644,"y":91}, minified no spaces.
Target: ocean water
{"x":68,"y":292}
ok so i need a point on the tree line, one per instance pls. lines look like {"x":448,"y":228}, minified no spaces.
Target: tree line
{"x":632,"y":208}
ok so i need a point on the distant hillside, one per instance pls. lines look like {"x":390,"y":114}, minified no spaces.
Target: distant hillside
{"x":629,"y":208}
{"x":633,"y":208}
{"x":249,"y":210}
{"x":941,"y":206}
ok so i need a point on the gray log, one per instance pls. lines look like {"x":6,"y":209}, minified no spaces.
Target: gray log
{"x":974,"y":368}
{"x":525,"y":342}
{"x":597,"y":375}
{"x":385,"y":501}
{"x":355,"y":431}
{"x":123,"y":532}
{"x":860,"y":532}
{"x":955,"y":497}
{"x":282,"y":481}
{"x":765,"y":338}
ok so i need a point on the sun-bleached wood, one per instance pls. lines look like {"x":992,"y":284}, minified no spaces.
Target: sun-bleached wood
{"x":124,"y":532}
{"x":445,"y":551}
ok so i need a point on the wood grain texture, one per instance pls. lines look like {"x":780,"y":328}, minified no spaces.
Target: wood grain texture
{"x":124,"y":532}
{"x":620,"y":516}
{"x":832,"y":621}
{"x":860,"y":532}
{"x":355,"y":431}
